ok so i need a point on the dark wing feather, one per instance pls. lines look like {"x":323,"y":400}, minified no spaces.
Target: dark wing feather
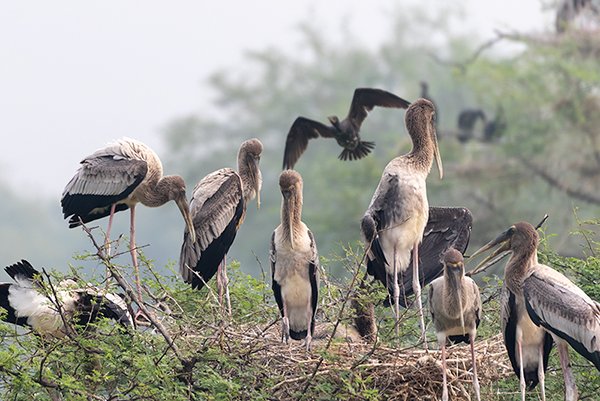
{"x":11,"y":313}
{"x":365,"y":99}
{"x":564,"y":310}
{"x":91,"y":305}
{"x":509,"y":320}
{"x":300,"y":132}
{"x":275,"y":285}
{"x":22,"y":270}
{"x":313,"y":274}
{"x":447,"y":227}
{"x":217,"y":208}
{"x":98,"y":184}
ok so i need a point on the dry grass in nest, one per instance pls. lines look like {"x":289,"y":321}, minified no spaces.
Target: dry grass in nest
{"x":291,"y":373}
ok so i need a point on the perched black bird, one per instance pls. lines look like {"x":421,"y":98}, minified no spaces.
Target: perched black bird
{"x":495,"y":129}
{"x":27,"y":303}
{"x":466,"y":123}
{"x":345,"y":132}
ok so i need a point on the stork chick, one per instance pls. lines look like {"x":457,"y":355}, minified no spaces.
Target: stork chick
{"x":294,"y":264}
{"x":455,"y":305}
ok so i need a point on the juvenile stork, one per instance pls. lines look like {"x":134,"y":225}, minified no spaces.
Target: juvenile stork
{"x":30,"y":302}
{"x":294,"y":264}
{"x":116,"y":178}
{"x":218,"y":208}
{"x":455,"y":306}
{"x":346,"y":132}
{"x":541,"y":305}
{"x":394,"y":223}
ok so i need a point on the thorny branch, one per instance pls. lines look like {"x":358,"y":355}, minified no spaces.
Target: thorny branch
{"x":134,"y":297}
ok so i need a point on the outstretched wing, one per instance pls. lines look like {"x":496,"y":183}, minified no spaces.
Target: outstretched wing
{"x":300,"y":132}
{"x":563,"y":309}
{"x":217,"y":208}
{"x":365,"y":99}
{"x":447,"y":227}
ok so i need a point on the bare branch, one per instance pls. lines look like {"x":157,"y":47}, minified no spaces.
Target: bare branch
{"x":556,"y":183}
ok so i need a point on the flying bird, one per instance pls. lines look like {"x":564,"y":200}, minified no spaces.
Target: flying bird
{"x":540,"y":306}
{"x":294,"y":264}
{"x":116,"y":178}
{"x":455,"y":305}
{"x":29,"y":302}
{"x":394,"y":222}
{"x":218,"y":208}
{"x":345,"y":132}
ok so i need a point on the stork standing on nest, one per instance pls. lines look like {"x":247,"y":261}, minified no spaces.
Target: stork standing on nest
{"x":218,"y":208}
{"x":539,"y":302}
{"x":394,"y":223}
{"x":455,"y":306}
{"x":28,"y":302}
{"x":116,"y":178}
{"x":346,"y":132}
{"x":294,"y":264}
{"x":447,"y":227}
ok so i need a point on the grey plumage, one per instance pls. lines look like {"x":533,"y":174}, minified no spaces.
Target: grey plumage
{"x":294,"y":263}
{"x":455,"y":305}
{"x":393,"y":224}
{"x":218,"y":207}
{"x":116,"y":178}
{"x":541,"y":305}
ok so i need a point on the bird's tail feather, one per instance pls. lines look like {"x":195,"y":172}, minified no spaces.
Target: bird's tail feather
{"x":361,"y":150}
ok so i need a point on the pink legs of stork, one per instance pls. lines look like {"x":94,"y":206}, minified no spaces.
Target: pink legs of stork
{"x":132,"y":251}
{"x":417,"y":290}
{"x":223,"y":284}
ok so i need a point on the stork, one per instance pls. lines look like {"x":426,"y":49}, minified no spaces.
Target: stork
{"x":218,"y":209}
{"x":394,"y":222}
{"x":539,"y":306}
{"x":346,"y":132}
{"x":116,"y":178}
{"x":29,"y":303}
{"x":455,"y":306}
{"x":294,"y":264}
{"x":447,"y":227}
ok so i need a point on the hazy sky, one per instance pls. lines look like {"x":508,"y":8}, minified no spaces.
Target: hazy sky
{"x":75,"y":75}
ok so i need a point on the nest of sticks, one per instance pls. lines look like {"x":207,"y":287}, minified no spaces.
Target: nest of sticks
{"x":290,"y":372}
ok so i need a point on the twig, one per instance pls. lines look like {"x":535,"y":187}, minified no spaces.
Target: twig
{"x":133,"y":296}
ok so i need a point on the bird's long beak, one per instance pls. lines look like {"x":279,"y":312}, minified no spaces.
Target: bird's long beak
{"x":257,"y":182}
{"x":184,"y":208}
{"x":436,"y":153}
{"x":494,"y":257}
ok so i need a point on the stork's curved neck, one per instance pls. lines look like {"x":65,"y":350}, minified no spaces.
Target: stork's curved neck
{"x":156,"y":191}
{"x":291,"y":217}
{"x":454,"y":293}
{"x":251,"y":178}
{"x":519,"y":266}
{"x":423,"y":149}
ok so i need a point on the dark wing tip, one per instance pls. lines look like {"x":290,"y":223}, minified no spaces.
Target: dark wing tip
{"x":362,"y":150}
{"x":23,"y":269}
